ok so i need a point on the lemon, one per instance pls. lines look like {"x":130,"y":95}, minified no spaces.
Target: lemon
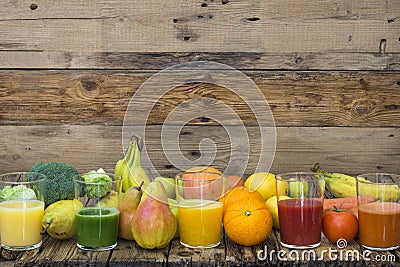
{"x":262,"y":182}
{"x":272,"y":205}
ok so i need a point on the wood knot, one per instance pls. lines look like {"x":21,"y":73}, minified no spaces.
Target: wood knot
{"x":362,"y":107}
{"x":89,"y":85}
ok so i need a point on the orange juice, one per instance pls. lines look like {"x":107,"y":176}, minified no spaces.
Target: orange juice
{"x":379,"y":224}
{"x":21,"y":222}
{"x":200,"y":222}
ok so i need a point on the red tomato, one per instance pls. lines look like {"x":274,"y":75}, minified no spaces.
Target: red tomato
{"x":337,"y":223}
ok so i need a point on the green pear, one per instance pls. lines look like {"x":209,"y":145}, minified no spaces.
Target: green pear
{"x":169,"y":185}
{"x":110,"y":200}
{"x":59,"y":218}
{"x":298,"y":189}
{"x":173,"y":205}
{"x":127,"y":206}
{"x":154,"y":224}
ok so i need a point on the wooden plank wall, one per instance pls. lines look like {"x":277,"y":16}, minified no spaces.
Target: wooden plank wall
{"x":328,"y":69}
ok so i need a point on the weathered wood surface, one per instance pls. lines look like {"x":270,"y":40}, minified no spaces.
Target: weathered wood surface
{"x":295,"y":98}
{"x":351,"y":150}
{"x":160,"y":60}
{"x":124,"y":33}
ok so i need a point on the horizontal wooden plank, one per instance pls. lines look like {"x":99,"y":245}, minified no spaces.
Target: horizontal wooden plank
{"x":199,"y":26}
{"x":269,"y":252}
{"x":339,"y":149}
{"x":294,"y":98}
{"x":160,"y":60}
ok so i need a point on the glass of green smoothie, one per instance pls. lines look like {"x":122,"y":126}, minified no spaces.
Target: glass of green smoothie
{"x":97,"y":222}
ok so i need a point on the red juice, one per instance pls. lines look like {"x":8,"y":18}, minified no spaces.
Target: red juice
{"x":300,"y":221}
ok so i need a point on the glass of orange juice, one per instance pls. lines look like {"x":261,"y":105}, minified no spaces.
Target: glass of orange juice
{"x":21,"y":210}
{"x":199,"y":208}
{"x":379,"y":220}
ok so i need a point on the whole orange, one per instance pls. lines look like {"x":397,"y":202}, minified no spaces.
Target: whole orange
{"x":238,"y":193}
{"x":247,"y":222}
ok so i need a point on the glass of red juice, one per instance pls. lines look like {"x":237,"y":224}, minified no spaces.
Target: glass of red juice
{"x":300,"y":204}
{"x":379,"y":220}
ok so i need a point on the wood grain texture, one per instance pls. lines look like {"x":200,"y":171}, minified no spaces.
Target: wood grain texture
{"x":348,"y":150}
{"x":358,"y":99}
{"x":161,"y":60}
{"x":264,"y":254}
{"x":130,"y":252}
{"x":181,"y":26}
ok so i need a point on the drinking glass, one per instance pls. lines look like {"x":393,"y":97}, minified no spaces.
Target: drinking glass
{"x":300,"y":203}
{"x":379,"y":219}
{"x":97,"y":222}
{"x":199,"y":208}
{"x":21,"y":210}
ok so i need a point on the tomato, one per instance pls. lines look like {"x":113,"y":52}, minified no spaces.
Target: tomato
{"x":338,"y":223}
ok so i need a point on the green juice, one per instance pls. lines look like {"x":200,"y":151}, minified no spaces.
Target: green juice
{"x":97,"y":227}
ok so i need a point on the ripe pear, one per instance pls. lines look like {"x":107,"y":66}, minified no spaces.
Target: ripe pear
{"x":154,"y":224}
{"x":173,"y":205}
{"x":110,"y":200}
{"x":59,"y":218}
{"x":127,"y":206}
{"x":169,"y":185}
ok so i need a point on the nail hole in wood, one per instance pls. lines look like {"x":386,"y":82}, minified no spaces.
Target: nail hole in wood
{"x":391,"y":135}
{"x":204,"y":5}
{"x":33,"y":7}
{"x":175,"y":20}
{"x":390,"y":20}
{"x":224,"y":2}
{"x":200,"y":16}
{"x":186,"y":38}
{"x":382,"y":46}
{"x":253,"y":19}
{"x":299,"y":60}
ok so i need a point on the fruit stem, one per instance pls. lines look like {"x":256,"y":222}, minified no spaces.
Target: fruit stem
{"x":317,"y":168}
{"x":139,"y":141}
{"x":139,"y":187}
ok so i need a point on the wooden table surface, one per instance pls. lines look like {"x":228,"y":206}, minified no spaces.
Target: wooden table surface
{"x":65,"y":253}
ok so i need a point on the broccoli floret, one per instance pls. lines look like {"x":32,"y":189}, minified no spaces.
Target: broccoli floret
{"x":59,"y":182}
{"x":98,"y":183}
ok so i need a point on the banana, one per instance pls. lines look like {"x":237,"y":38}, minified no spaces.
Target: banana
{"x":120,"y":165}
{"x":339,"y":188}
{"x":381,"y":192}
{"x":342,"y":185}
{"x":133,"y":174}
